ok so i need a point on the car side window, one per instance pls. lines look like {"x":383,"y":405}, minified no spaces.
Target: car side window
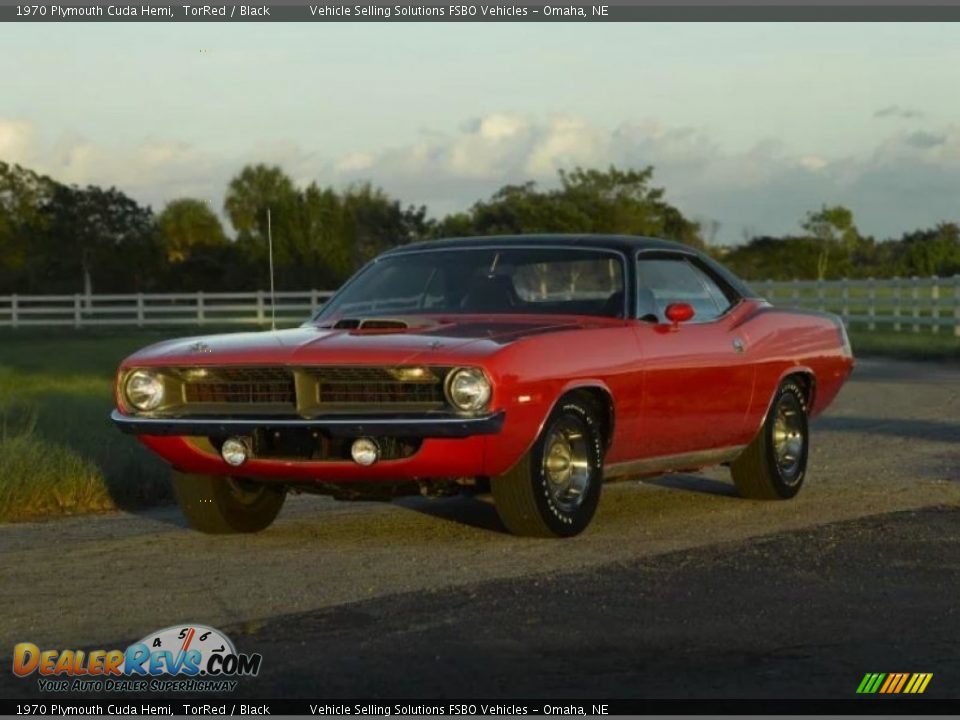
{"x":662,"y":281}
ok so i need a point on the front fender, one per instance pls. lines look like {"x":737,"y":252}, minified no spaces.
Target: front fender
{"x":525,"y":418}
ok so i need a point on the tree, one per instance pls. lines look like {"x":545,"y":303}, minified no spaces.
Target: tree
{"x":255,"y":189}
{"x":59,"y":238}
{"x":380,"y":222}
{"x":24,"y":204}
{"x":930,"y":252}
{"x":100,"y":237}
{"x":587,"y":201}
{"x":834,"y":231}
{"x":187,"y":224}
{"x":774,"y":258}
{"x":320,"y":235}
{"x":515,"y":209}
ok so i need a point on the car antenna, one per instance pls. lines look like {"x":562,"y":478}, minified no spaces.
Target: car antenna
{"x":273,"y":295}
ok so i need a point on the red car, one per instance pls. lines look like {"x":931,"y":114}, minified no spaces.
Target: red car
{"x":532,"y":366}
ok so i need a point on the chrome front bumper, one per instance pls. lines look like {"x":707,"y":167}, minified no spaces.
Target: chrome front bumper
{"x":411,"y":426}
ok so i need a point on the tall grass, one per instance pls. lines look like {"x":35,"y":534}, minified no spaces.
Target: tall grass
{"x":39,"y":477}
{"x":59,"y":453}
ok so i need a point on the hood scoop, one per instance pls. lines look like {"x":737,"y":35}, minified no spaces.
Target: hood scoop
{"x":376,"y":325}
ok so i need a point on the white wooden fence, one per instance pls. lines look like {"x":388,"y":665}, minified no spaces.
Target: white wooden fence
{"x":900,"y":304}
{"x":912,"y":304}
{"x":166,"y":309}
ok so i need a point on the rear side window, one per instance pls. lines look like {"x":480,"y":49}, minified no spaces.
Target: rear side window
{"x":662,"y":281}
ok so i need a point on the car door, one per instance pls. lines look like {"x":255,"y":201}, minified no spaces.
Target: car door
{"x":698,"y":377}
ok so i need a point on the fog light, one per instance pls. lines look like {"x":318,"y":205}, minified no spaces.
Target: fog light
{"x":364,"y":451}
{"x":234,"y":451}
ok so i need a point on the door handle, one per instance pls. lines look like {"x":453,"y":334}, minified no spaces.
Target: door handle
{"x":738,"y":345}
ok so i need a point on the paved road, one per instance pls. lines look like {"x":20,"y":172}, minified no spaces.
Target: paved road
{"x":678,"y":584}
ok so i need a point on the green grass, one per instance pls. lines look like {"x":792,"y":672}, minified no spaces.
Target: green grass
{"x":943,"y":346}
{"x":60,"y":454}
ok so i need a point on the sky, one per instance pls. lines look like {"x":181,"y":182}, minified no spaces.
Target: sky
{"x":748,"y":125}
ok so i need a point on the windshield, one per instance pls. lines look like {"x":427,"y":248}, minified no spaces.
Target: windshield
{"x":565,"y":281}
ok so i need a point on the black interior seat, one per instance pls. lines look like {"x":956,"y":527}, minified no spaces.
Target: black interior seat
{"x":490,"y":294}
{"x":613,"y":307}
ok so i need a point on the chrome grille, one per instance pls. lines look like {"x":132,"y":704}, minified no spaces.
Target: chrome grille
{"x":246,"y":386}
{"x":307,"y":391}
{"x":373,"y":386}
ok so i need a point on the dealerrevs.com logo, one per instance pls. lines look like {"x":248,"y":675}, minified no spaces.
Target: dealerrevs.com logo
{"x":188,"y":658}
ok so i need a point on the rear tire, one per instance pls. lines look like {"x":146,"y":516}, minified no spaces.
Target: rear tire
{"x":774,"y":465}
{"x":554,"y":490}
{"x":220,"y":505}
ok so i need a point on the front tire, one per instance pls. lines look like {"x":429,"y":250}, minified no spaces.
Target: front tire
{"x":555,"y":488}
{"x":774,"y":465}
{"x":220,"y":505}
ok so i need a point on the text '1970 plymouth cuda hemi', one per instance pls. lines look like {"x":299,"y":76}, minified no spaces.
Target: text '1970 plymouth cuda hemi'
{"x":533,"y":367}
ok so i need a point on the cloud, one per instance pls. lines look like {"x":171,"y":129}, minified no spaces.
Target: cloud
{"x":907,"y":180}
{"x":895,"y":111}
{"x":765,"y":188}
{"x":923,"y":140}
{"x":16,"y":138}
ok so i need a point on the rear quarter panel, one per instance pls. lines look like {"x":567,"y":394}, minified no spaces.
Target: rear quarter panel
{"x":782,"y":342}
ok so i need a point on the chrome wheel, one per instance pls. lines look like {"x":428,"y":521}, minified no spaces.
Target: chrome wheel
{"x":774,"y":464}
{"x":789,"y":438}
{"x":555,"y":488}
{"x":566,"y":464}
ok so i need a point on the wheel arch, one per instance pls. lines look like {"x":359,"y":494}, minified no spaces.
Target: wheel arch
{"x":601,"y":398}
{"x":597,"y":393}
{"x":594,"y":391}
{"x":808,"y":381}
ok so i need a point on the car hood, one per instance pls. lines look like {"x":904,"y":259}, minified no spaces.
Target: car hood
{"x":423,"y":342}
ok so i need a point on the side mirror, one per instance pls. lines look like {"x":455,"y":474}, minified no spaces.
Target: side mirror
{"x":679,"y":312}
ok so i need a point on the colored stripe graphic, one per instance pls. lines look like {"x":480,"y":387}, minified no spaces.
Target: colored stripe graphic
{"x":891,"y":680}
{"x":894,"y":683}
{"x":870,"y":683}
{"x":919,"y":683}
{"x":903,"y":680}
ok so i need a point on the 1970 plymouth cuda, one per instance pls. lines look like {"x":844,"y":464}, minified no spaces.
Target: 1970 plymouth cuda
{"x":534,"y":367}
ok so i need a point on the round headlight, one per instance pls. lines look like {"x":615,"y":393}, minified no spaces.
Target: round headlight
{"x":468,"y":389}
{"x":144,"y":390}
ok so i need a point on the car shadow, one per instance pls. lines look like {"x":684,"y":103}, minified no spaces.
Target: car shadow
{"x":471,"y":510}
{"x":938,"y":430}
{"x":693,"y":483}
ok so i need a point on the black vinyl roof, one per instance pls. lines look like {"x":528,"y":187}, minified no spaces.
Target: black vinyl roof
{"x":624,"y":243}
